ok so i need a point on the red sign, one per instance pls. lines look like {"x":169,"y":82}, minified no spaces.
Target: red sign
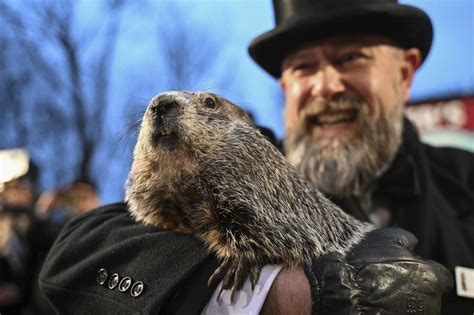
{"x":454,"y":114}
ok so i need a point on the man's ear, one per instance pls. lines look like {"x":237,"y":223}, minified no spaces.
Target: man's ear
{"x":411,"y":62}
{"x":282,"y":84}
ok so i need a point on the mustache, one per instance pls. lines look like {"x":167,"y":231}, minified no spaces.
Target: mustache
{"x":348,"y":104}
{"x":337,"y":103}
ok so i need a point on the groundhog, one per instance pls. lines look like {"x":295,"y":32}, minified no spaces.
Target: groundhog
{"x":200,"y":166}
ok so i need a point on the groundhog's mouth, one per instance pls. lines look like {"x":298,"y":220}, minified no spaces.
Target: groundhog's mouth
{"x":169,"y":140}
{"x":164,"y":135}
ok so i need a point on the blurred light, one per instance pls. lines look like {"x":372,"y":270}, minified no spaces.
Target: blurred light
{"x":14,"y":163}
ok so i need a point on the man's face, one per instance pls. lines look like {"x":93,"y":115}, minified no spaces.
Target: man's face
{"x":344,"y":109}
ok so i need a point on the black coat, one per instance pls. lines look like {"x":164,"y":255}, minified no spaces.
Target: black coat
{"x":429,"y":191}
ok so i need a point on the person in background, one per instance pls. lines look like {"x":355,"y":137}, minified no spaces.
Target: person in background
{"x":17,"y":194}
{"x":346,"y":68}
{"x":28,"y":227}
{"x":67,"y":202}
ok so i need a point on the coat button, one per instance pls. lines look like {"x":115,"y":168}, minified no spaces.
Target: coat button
{"x":125,"y":284}
{"x":102,"y":276}
{"x":137,"y":289}
{"x":113,"y":281}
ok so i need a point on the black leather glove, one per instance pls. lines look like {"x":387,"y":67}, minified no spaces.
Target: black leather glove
{"x":378,"y":276}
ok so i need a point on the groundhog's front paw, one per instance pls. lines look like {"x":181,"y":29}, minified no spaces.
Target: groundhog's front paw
{"x":233,"y":273}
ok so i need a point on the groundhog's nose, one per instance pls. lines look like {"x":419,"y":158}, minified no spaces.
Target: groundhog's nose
{"x":163,"y":105}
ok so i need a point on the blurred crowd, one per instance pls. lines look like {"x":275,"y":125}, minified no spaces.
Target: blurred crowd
{"x":30,"y":220}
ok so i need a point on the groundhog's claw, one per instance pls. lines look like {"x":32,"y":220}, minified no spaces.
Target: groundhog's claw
{"x":233,"y":274}
{"x":218,"y":274}
{"x":254,"y":274}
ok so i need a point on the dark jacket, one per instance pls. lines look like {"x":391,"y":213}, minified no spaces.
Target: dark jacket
{"x":429,"y":191}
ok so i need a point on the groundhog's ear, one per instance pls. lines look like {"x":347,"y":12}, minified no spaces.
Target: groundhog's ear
{"x":268,"y":133}
{"x":246,"y":116}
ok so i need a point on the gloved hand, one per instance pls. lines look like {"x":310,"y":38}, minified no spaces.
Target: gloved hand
{"x":378,"y":276}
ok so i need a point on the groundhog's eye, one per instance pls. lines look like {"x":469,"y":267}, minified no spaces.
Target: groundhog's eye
{"x":209,"y":102}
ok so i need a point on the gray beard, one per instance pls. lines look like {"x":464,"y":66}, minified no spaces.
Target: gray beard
{"x":345,"y":166}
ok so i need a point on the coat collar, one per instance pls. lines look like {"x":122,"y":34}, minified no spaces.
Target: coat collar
{"x":403,"y":176}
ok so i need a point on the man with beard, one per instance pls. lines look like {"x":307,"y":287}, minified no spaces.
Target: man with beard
{"x":347,"y":73}
{"x":346,"y":68}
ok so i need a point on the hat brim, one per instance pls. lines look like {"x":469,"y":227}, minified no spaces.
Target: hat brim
{"x":406,"y":25}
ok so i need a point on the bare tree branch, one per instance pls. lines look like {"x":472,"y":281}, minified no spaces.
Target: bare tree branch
{"x":188,"y":56}
{"x":53,"y":22}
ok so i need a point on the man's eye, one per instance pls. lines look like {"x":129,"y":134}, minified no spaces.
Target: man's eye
{"x":349,"y":57}
{"x":303,"y":67}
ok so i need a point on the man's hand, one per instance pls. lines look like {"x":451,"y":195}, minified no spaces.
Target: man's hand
{"x":289,"y":294}
{"x":378,"y":276}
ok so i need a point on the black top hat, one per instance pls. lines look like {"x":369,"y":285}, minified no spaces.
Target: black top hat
{"x":300,"y":21}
